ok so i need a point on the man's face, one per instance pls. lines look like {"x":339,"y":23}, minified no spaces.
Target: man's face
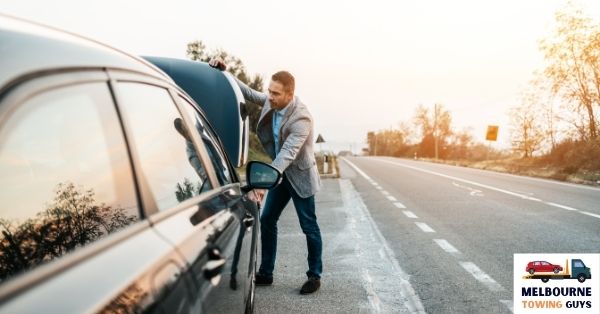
{"x":278,"y":96}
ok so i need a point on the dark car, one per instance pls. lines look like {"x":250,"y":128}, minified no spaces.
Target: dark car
{"x":542,"y":267}
{"x":116,"y":195}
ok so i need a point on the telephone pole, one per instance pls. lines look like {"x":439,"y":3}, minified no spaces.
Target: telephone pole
{"x":435,"y":129}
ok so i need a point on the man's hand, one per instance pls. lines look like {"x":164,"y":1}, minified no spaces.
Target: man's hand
{"x":256,"y":195}
{"x":217,"y":63}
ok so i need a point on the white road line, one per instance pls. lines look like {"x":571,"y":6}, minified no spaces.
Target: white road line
{"x":409,"y":214}
{"x":562,"y":206}
{"x":391,"y":198}
{"x":399,"y":205}
{"x":362,"y":173}
{"x":573,"y":185}
{"x":376,"y":259}
{"x":384,"y":192}
{"x":374,"y":183}
{"x":481,"y":276}
{"x":423,"y":226}
{"x":526,"y":197}
{"x":446,"y":246}
{"x":458,"y":179}
{"x":379,"y":188}
{"x":590,"y":214}
{"x":509,"y":304}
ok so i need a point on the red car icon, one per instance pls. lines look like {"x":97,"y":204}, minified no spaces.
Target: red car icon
{"x":542,"y":266}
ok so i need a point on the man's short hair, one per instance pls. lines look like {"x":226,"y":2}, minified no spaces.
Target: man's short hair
{"x":286,"y":79}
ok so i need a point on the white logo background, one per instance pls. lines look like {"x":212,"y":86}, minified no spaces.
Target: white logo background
{"x":591,"y":261}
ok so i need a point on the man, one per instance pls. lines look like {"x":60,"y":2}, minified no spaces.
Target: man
{"x":285,"y":129}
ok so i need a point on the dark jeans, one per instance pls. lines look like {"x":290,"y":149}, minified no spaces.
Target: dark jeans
{"x":277,"y":199}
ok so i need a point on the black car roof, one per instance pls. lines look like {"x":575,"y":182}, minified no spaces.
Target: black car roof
{"x":27,"y":47}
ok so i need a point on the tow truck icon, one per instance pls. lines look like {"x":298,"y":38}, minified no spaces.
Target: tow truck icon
{"x":577,"y":271}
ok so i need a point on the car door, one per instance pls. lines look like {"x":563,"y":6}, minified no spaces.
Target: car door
{"x":74,"y":239}
{"x":238,"y":238}
{"x":189,"y":204}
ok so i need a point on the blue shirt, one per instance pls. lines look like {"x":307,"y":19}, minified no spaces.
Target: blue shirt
{"x":277,"y":118}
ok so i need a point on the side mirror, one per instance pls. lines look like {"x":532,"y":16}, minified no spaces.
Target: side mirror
{"x":260,"y":175}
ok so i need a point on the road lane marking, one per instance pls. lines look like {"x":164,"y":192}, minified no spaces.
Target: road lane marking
{"x":391,"y":198}
{"x":457,"y":179}
{"x":375,"y":259}
{"x":590,"y":214}
{"x":473,"y":192}
{"x":562,"y":206}
{"x":384,"y":192}
{"x":399,"y":205}
{"x":481,"y":276}
{"x":379,"y":188}
{"x":423,"y":226}
{"x":509,"y":304}
{"x":374,"y":183}
{"x":409,"y":214}
{"x":489,"y":187}
{"x":446,"y":246}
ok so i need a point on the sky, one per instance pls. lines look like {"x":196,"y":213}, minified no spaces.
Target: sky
{"x":359,"y":65}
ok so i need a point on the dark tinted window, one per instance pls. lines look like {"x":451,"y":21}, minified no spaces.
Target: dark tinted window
{"x":64,"y":176}
{"x":212,"y":146}
{"x":169,"y":161}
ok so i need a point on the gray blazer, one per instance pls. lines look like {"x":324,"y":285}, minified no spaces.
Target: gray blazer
{"x":296,"y":157}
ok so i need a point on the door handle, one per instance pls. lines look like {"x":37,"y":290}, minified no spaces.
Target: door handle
{"x":212,"y":270}
{"x":248,"y":221}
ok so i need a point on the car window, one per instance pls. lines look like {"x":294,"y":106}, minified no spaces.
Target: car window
{"x":578,"y":264}
{"x":215,"y":153}
{"x":65,"y":176}
{"x":169,"y":161}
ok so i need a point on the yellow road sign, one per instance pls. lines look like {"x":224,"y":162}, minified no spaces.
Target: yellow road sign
{"x":492,"y":133}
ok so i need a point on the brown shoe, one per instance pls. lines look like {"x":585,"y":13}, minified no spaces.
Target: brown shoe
{"x":310,"y":286}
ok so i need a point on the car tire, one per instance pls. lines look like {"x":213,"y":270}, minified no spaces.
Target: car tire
{"x":581,"y":277}
{"x":556,"y":270}
{"x":531,"y":271}
{"x":544,"y":280}
{"x":252,"y":292}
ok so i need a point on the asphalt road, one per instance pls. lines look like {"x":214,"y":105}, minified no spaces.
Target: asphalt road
{"x":469,"y":223}
{"x":408,"y":236}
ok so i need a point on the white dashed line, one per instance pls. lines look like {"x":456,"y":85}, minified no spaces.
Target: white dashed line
{"x":481,"y":276}
{"x":590,"y":214}
{"x":399,"y":205}
{"x":374,"y":183}
{"x":562,"y":206}
{"x":423,"y":226}
{"x":385,"y":192}
{"x":446,"y":246}
{"x":391,"y":198}
{"x":409,"y":214}
{"x":509,"y":304}
{"x":379,"y":188}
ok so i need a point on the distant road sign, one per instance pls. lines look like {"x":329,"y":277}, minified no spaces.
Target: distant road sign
{"x":320,"y":139}
{"x":492,"y":133}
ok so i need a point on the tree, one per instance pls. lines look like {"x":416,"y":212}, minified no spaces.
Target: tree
{"x":197,"y":51}
{"x":526,"y":132}
{"x":573,"y":56}
{"x":71,"y":220}
{"x":432,"y":124}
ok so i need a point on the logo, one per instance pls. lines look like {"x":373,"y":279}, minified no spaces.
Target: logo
{"x":556,"y":283}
